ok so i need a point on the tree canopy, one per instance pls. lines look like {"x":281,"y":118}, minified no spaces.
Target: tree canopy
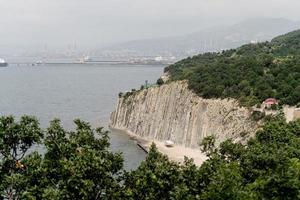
{"x":79,"y":165}
{"x":251,"y":73}
{"x":76,"y":164}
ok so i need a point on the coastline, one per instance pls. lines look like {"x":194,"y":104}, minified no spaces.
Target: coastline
{"x":176,"y":153}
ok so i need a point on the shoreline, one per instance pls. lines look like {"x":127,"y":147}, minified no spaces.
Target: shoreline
{"x":176,"y":153}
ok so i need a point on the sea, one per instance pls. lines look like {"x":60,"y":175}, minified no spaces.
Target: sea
{"x":75,"y":91}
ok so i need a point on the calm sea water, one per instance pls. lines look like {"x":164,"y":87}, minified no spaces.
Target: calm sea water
{"x":88,"y":92}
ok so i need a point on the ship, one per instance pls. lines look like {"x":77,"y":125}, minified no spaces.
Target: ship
{"x":38,"y":63}
{"x":3,"y":63}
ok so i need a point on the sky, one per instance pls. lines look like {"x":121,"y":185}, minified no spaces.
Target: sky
{"x":98,"y":23}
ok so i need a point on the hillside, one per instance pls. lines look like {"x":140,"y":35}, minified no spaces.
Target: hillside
{"x":210,"y":39}
{"x":245,"y":159}
{"x":250,"y":73}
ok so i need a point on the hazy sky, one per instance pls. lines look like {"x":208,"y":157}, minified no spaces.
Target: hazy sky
{"x":100,"y":22}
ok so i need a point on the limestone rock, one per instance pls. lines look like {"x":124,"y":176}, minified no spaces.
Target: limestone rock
{"x":173,"y":112}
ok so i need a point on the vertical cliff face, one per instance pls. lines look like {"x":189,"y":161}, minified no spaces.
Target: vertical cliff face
{"x":173,"y":112}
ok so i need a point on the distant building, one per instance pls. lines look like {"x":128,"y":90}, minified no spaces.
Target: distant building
{"x":158,"y":59}
{"x":269,"y":102}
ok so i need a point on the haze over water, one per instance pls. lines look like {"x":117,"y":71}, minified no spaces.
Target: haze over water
{"x":88,"y":92}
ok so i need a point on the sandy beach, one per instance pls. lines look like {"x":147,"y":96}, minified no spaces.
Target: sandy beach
{"x":176,"y":153}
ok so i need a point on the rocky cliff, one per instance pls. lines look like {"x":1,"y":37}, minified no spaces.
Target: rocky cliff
{"x":173,"y":112}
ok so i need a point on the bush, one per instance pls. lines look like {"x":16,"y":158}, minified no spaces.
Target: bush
{"x":160,"y":81}
{"x":257,"y":115}
{"x":243,"y":134}
{"x":274,"y":107}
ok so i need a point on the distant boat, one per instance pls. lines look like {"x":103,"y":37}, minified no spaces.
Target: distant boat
{"x":3,"y":63}
{"x":39,"y":62}
{"x":169,"y":143}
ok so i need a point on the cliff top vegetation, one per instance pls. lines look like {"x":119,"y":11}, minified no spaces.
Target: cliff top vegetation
{"x":251,"y":73}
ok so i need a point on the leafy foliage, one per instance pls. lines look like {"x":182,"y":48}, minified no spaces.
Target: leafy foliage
{"x":76,"y":165}
{"x":15,"y":140}
{"x":79,"y":165}
{"x":251,"y":73}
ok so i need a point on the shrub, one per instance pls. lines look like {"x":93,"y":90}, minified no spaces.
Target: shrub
{"x":160,"y":81}
{"x":257,"y":115}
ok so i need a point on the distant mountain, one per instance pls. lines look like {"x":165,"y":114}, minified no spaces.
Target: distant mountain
{"x":213,"y":39}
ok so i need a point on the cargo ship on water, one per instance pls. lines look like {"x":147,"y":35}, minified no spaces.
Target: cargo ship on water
{"x":3,"y":63}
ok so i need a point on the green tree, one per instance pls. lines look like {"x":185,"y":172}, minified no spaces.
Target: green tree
{"x":16,"y":138}
{"x":155,"y":178}
{"x":79,"y":165}
{"x":250,"y":73}
{"x":76,"y":164}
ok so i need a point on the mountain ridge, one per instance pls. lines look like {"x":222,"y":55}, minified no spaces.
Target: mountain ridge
{"x":211,"y":39}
